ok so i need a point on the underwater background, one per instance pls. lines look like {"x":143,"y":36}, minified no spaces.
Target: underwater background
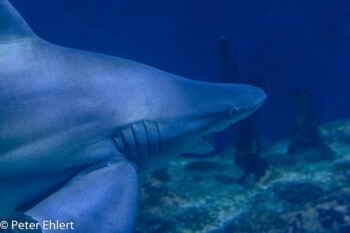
{"x":287,"y":169}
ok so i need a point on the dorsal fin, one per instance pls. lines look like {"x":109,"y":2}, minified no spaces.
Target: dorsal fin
{"x":12,"y":25}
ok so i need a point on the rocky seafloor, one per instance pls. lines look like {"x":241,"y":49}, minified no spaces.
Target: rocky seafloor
{"x":299,"y":193}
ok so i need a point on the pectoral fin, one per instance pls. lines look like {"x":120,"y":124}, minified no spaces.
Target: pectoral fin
{"x":103,"y":200}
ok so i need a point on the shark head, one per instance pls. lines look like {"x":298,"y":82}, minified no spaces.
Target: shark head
{"x":175,"y":116}
{"x":213,"y":108}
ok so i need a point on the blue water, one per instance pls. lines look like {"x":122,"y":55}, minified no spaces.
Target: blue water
{"x":295,"y":44}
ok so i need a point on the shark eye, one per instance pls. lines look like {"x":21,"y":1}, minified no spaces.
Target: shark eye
{"x":234,"y":111}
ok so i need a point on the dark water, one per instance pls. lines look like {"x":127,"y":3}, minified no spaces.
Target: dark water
{"x":295,"y":44}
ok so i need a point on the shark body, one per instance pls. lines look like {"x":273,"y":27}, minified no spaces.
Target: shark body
{"x":77,"y":126}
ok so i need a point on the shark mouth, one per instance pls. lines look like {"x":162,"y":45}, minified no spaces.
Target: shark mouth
{"x":208,"y":140}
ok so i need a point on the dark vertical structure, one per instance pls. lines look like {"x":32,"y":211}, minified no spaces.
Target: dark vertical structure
{"x":244,"y":134}
{"x":229,"y":70}
{"x":304,"y":134}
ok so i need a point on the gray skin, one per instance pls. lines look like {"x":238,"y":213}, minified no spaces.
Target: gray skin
{"x":76,"y":126}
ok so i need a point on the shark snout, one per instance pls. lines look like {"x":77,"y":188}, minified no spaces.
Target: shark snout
{"x":251,"y":98}
{"x":260,"y":96}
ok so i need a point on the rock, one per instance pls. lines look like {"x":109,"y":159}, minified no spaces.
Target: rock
{"x":341,"y":165}
{"x":201,"y":166}
{"x":297,"y":194}
{"x":299,"y":197}
{"x":161,"y":175}
{"x":225,"y":179}
{"x":329,"y":217}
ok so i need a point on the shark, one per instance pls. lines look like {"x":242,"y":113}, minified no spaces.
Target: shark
{"x":77,"y":127}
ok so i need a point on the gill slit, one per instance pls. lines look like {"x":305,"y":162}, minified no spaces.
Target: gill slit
{"x":158,"y":136}
{"x":136,"y":142}
{"x":124,"y":142}
{"x":116,"y":145}
{"x":148,"y":142}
